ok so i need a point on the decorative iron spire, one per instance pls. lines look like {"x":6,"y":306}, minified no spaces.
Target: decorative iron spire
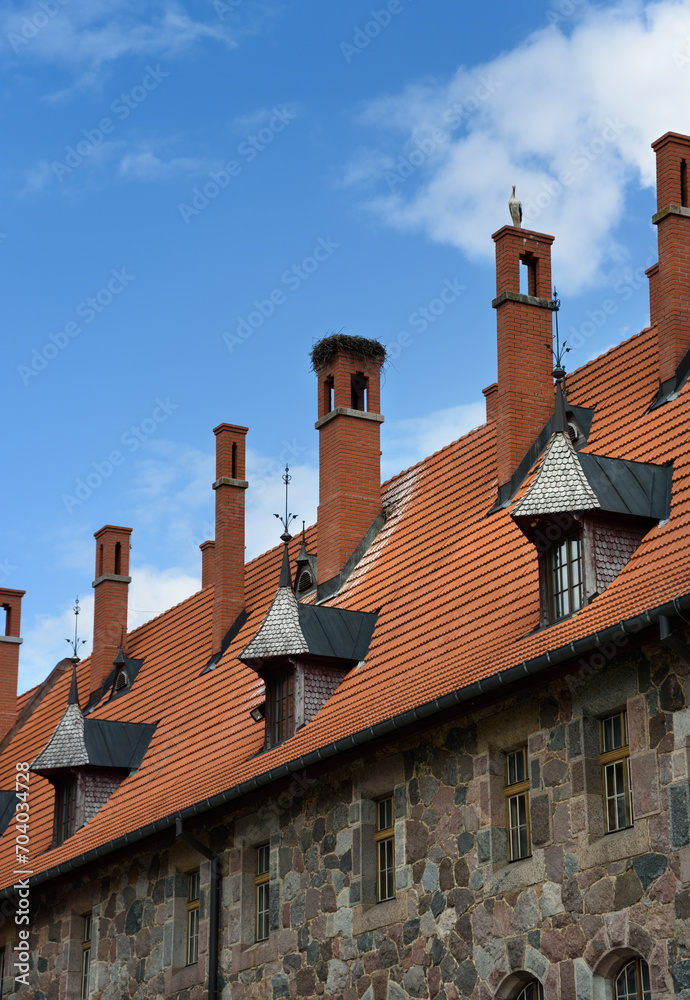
{"x":289,"y":518}
{"x":559,"y":350}
{"x":75,"y":643}
{"x":73,"y":690}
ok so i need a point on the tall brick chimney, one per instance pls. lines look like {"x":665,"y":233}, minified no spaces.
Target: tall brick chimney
{"x":348,"y":370}
{"x":670,"y":287}
{"x":11,"y":603}
{"x":111,"y":588}
{"x":525,"y":362}
{"x":208,"y":563}
{"x":230,"y":485}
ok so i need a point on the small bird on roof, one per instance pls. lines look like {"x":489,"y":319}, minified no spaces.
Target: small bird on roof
{"x":515,"y":206}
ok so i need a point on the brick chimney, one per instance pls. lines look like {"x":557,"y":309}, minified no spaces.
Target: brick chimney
{"x":230,"y":485}
{"x":670,"y":288}
{"x":525,"y":384}
{"x":208,"y":563}
{"x":348,"y":370}
{"x":11,"y":603}
{"x":111,"y":588}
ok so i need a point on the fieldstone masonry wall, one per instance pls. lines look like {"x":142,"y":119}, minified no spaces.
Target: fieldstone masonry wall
{"x":464,"y":922}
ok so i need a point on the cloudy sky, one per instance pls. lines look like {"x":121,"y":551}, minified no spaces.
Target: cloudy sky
{"x":168,"y":165}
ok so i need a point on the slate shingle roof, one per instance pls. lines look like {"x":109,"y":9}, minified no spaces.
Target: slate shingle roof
{"x":560,"y":485}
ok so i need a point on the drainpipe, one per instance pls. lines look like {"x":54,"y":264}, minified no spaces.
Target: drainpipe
{"x":182,"y":834}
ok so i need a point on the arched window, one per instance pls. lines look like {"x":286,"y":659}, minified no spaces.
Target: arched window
{"x":632,"y":982}
{"x":532,"y":991}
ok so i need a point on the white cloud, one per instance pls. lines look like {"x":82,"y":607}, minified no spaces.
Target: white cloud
{"x":588,"y":102}
{"x":406,"y":442}
{"x":147,"y":166}
{"x":85,"y":36}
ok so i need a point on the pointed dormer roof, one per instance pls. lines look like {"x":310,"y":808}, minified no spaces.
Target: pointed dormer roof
{"x":293,"y":629}
{"x":77,"y":742}
{"x":569,"y":481}
{"x":66,"y":747}
{"x":280,"y":633}
{"x":560,"y":485}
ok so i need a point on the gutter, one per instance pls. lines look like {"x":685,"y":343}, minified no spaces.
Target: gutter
{"x":679,"y":605}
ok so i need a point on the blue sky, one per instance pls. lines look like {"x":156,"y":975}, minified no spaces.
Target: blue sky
{"x":169,"y":167}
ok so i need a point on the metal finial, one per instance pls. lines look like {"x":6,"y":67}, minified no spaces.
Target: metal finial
{"x":559,"y":350}
{"x":289,"y":518}
{"x":75,"y":643}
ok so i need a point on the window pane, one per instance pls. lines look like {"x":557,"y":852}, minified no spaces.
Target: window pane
{"x":262,"y":911}
{"x":517,"y":818}
{"x":193,"y":937}
{"x":628,"y":981}
{"x":516,"y":767}
{"x":386,"y":872}
{"x":262,"y":859}
{"x":385,"y":814}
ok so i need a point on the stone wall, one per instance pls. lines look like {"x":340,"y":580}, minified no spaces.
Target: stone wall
{"x":464,"y":921}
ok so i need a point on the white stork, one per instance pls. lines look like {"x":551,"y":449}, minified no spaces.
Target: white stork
{"x":515,"y":206}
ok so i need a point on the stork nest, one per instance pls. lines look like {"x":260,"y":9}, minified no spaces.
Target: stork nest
{"x":325,"y":349}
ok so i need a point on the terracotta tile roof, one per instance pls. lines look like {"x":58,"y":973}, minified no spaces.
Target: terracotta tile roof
{"x":457,"y":600}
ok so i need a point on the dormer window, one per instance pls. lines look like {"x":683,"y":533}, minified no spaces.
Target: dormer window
{"x":282,"y":704}
{"x":564,"y":577}
{"x":66,"y":812}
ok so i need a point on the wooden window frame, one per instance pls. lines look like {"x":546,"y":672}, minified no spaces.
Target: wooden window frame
{"x":282,"y":725}
{"x":84,"y":990}
{"x":66,"y":811}
{"x":514,"y":791}
{"x":574,"y":591}
{"x":261,"y":892}
{"x":537,"y":991}
{"x":641,"y":970}
{"x":193,"y":898}
{"x":608,"y":759}
{"x":384,"y":839}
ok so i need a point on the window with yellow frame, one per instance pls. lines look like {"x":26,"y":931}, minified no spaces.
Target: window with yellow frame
{"x":385,"y":850}
{"x":517,"y":805}
{"x":261,"y":883}
{"x":193,"y":918}
{"x":85,"y":957}
{"x":615,"y":772}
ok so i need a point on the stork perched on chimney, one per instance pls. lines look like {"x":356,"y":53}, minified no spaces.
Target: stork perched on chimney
{"x":515,"y":206}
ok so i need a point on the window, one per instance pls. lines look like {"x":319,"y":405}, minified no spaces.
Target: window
{"x":283,"y":716}
{"x":85,"y":957}
{"x":517,"y":801}
{"x":261,"y":881}
{"x":193,"y":918}
{"x":615,"y":763}
{"x":533,"y":991}
{"x":385,"y":850}
{"x":632,"y":982}
{"x":565,"y":578}
{"x":66,"y":794}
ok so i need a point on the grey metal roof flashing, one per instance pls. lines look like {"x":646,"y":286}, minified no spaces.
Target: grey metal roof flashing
{"x":8,"y":803}
{"x":669,"y":389}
